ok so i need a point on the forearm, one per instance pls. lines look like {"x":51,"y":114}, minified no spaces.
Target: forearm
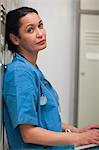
{"x":42,"y":136}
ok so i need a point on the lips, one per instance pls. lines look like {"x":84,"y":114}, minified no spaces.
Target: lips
{"x":41,"y":42}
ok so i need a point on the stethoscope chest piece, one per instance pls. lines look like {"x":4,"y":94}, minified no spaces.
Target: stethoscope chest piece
{"x":43,"y":100}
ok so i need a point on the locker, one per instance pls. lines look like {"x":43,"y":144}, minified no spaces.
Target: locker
{"x":2,"y":43}
{"x":5,"y":58}
{"x":88,"y":82}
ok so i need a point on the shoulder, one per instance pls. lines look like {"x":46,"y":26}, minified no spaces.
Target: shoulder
{"x":20,"y":70}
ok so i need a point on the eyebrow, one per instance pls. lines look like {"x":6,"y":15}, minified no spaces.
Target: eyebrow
{"x":34,"y":24}
{"x":40,"y":21}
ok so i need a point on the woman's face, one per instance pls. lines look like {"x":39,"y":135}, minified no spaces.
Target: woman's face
{"x":32,"y":35}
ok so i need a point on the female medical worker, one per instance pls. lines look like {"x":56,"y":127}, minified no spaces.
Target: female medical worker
{"x":31,"y":115}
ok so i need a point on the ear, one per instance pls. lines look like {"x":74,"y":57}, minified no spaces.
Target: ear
{"x":14,"y":39}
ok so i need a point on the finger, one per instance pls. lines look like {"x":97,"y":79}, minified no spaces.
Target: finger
{"x":93,"y":126}
{"x":94,"y":142}
{"x":95,"y":131}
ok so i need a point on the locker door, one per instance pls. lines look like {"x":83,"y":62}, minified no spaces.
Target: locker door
{"x":2,"y":41}
{"x":1,"y":127}
{"x":88,"y":96}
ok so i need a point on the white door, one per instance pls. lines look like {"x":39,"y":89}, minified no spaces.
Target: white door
{"x":88,"y":94}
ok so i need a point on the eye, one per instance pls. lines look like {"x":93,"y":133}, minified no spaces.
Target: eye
{"x":30,"y":30}
{"x":41,"y":25}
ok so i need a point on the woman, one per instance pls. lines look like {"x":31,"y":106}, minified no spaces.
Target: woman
{"x":31,"y":115}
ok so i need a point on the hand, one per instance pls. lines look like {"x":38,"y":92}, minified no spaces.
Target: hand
{"x":89,"y":137}
{"x":89,"y":127}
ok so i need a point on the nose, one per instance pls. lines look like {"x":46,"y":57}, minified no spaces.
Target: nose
{"x":39,"y":32}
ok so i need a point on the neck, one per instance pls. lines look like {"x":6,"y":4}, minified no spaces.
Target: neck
{"x":31,"y":57}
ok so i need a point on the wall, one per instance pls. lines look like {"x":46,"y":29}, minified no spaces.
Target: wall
{"x":58,"y":60}
{"x":11,"y":4}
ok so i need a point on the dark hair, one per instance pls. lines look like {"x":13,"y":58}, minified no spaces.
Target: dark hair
{"x":13,"y":24}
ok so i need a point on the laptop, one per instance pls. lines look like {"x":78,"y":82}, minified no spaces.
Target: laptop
{"x":85,"y":146}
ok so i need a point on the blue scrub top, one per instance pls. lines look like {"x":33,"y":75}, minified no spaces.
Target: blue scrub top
{"x":28,"y":99}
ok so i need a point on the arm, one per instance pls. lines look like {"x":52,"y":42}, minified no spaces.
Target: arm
{"x":37,"y":135}
{"x":42,"y":136}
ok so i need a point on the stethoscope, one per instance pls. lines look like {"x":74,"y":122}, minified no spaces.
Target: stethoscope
{"x":43,"y":98}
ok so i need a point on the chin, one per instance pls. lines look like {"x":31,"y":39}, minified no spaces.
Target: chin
{"x":42,"y":47}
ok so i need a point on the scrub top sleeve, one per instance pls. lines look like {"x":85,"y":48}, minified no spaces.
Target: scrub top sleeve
{"x":22,"y":101}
